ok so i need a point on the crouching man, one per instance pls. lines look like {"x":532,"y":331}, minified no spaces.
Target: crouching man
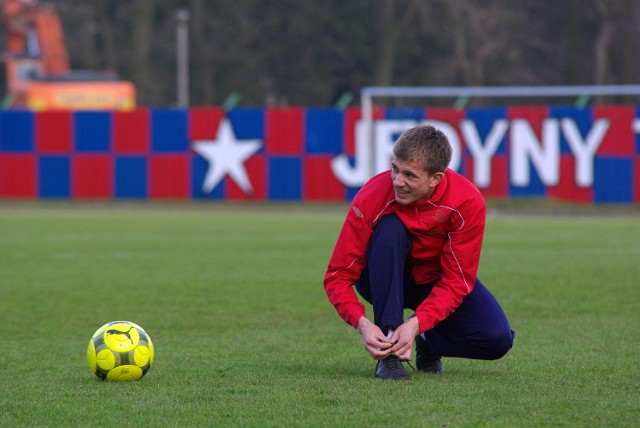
{"x":412,"y":239}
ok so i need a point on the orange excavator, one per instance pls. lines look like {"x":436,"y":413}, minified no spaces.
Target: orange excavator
{"x":39,"y":76}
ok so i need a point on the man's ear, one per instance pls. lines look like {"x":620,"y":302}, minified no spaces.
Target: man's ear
{"x":436,"y":179}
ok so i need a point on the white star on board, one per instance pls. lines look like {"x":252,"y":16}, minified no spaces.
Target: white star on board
{"x":226,"y":156}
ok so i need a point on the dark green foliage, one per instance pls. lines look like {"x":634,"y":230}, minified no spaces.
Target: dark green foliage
{"x":310,"y":53}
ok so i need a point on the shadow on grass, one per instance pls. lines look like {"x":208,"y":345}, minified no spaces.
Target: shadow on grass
{"x":364,"y":369}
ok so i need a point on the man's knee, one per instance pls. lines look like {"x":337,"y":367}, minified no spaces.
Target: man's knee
{"x":390,"y":234}
{"x":490,"y":344}
{"x":497,"y":343}
{"x":390,"y":223}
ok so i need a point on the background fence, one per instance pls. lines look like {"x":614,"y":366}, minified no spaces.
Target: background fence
{"x":589,"y":155}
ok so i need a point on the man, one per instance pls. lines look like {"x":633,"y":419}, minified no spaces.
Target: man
{"x":412,"y":239}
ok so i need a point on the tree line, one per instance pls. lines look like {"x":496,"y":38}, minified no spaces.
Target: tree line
{"x":320,"y":52}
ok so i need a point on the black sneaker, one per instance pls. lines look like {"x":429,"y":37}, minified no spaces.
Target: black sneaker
{"x":391,"y":368}
{"x":424,"y":361}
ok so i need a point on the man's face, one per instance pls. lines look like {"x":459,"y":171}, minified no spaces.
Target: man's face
{"x":411,"y":182}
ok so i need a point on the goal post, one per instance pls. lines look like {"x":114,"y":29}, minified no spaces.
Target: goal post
{"x":369,"y":93}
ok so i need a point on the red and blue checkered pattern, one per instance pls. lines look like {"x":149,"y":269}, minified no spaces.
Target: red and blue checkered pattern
{"x":147,"y":154}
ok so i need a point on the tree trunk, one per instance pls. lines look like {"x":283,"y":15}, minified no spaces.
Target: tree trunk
{"x":601,"y":46}
{"x":141,"y":48}
{"x":202,"y":58}
{"x":390,"y":22}
{"x":106,"y":26}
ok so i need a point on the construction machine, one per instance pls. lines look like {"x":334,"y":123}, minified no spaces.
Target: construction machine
{"x":38,"y":72}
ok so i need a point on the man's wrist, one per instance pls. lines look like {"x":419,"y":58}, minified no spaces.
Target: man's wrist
{"x":415,"y":324}
{"x":363,"y":319}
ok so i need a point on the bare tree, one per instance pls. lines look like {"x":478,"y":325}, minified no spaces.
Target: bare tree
{"x":630,"y":51}
{"x":141,"y":42}
{"x":202,"y":58}
{"x":603,"y":40}
{"x":480,"y":35}
{"x":391,"y":19}
{"x":311,"y":52}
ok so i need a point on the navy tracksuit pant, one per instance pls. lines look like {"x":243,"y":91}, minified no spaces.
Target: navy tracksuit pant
{"x":478,"y":328}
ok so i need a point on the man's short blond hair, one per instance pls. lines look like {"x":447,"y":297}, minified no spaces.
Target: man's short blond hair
{"x":427,"y":144}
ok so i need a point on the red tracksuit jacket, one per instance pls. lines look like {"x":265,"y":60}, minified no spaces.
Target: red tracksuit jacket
{"x":447,"y":232}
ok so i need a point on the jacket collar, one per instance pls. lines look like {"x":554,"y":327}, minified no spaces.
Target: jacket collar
{"x":441,"y":188}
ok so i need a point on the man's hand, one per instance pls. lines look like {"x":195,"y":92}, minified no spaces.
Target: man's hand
{"x":402,"y":339}
{"x":374,"y":341}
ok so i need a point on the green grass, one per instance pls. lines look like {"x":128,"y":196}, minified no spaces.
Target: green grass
{"x":232,"y":298}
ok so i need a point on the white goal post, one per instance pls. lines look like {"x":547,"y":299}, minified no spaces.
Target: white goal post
{"x":368,"y":93}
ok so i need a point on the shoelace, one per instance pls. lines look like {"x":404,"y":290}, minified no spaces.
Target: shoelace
{"x":397,"y":361}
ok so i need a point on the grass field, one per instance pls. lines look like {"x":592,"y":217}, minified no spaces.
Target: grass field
{"x":232,"y":298}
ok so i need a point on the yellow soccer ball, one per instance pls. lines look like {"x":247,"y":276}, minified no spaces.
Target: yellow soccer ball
{"x":120,"y":351}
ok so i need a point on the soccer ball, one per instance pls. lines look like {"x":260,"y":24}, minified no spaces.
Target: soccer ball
{"x":120,"y":351}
